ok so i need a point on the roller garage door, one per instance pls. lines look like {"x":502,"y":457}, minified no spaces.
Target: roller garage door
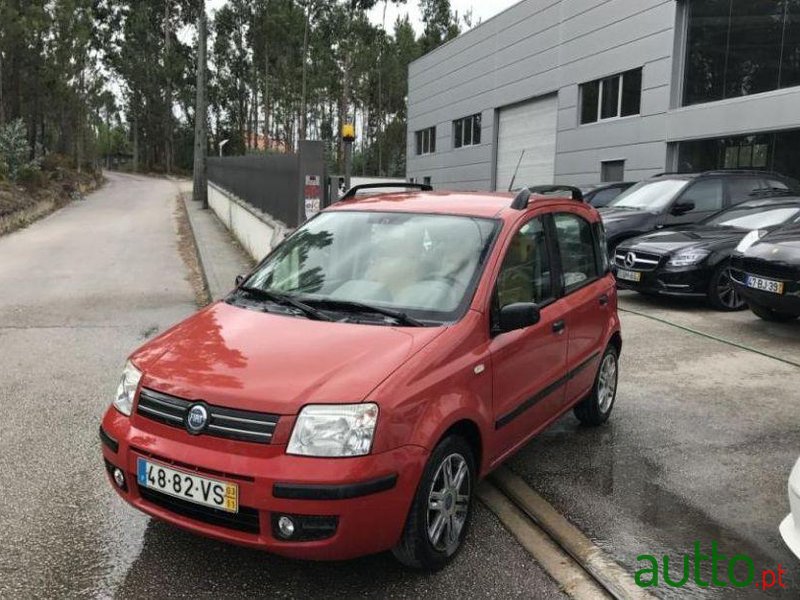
{"x":530,"y":127}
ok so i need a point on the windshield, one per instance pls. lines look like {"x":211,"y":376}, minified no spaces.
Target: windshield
{"x":651,"y":196}
{"x":754,"y":217}
{"x":423,"y":265}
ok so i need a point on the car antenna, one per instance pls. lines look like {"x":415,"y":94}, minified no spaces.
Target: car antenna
{"x":514,"y":178}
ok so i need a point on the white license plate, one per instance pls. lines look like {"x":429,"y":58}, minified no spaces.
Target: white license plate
{"x":188,"y":486}
{"x":765,"y":285}
{"x":629,"y":275}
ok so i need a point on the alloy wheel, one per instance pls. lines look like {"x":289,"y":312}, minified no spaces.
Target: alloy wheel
{"x":448,"y":503}
{"x":607,"y":383}
{"x":726,"y":292}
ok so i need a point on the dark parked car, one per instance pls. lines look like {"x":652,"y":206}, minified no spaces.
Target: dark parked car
{"x":601,"y":194}
{"x":695,"y":260}
{"x":767,"y":273}
{"x":673,"y":200}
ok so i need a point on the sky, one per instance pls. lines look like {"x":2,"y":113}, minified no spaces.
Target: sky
{"x":481,"y":10}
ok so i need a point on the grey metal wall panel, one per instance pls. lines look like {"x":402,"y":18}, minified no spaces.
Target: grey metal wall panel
{"x":770,"y":111}
{"x":538,"y":47}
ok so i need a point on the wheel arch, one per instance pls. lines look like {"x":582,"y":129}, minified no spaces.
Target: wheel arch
{"x":468,"y":430}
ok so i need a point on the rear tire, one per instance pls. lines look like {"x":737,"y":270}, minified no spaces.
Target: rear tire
{"x":441,"y":511}
{"x":722,"y":294}
{"x":596,"y":408}
{"x":771,"y":315}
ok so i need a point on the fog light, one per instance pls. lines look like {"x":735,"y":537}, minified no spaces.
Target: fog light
{"x":286,"y":527}
{"x":119,"y":478}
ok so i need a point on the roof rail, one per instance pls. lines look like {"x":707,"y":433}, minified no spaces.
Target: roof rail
{"x":353,"y":191}
{"x":739,"y":171}
{"x":523,"y":198}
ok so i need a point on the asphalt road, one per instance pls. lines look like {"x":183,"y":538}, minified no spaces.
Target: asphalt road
{"x":78,"y":291}
{"x":699,"y":447}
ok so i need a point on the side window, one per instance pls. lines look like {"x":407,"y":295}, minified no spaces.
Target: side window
{"x":525,"y":275}
{"x":706,"y":195}
{"x":577,"y":246}
{"x":742,"y":188}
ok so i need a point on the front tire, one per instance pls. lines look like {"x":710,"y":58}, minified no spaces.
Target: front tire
{"x":722,"y":294}
{"x":771,"y":315}
{"x":440,"y":514}
{"x":596,"y":408}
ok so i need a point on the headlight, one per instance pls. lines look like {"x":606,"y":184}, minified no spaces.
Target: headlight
{"x":688,"y":257}
{"x":334,"y":430}
{"x":750,"y":239}
{"x":127,"y":389}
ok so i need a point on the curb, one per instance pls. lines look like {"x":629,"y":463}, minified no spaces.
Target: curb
{"x":183,"y":198}
{"x":616,"y":580}
{"x":573,"y":579}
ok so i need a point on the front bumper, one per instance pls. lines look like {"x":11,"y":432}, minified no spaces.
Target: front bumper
{"x":679,"y":281}
{"x":368,"y":497}
{"x":788,"y":302}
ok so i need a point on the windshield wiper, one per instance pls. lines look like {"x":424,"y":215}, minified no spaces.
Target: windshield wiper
{"x":350,"y":305}
{"x":286,"y":300}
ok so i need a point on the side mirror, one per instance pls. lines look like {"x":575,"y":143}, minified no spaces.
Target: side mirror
{"x":518,"y":316}
{"x":681,"y":208}
{"x":239,"y":280}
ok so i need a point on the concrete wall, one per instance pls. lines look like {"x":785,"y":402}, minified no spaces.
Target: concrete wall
{"x":538,"y":47}
{"x":257,"y":232}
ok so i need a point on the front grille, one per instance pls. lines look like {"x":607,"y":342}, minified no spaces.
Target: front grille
{"x":243,"y":425}
{"x":246,"y":519}
{"x":643,"y":261}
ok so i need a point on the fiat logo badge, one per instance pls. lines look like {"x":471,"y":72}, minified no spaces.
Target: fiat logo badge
{"x":196,"y":419}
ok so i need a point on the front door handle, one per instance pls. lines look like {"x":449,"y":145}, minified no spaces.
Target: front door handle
{"x":603,"y":300}
{"x":559,"y":327}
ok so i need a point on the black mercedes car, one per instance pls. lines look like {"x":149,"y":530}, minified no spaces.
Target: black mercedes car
{"x":766,"y":272}
{"x":676,"y":200}
{"x":695,"y":260}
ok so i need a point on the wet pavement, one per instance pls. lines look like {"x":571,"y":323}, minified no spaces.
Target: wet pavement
{"x":699,"y":448}
{"x":78,"y":291}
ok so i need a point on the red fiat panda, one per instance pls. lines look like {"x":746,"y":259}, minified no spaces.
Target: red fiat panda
{"x":348,"y":395}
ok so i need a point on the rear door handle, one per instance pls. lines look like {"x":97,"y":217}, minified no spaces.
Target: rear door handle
{"x":559,"y":327}
{"x":604,"y":300}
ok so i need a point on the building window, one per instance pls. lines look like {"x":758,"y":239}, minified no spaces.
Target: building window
{"x":740,"y":47}
{"x":467,"y":131}
{"x":612,"y":171}
{"x":426,"y":180}
{"x":612,"y":97}
{"x":426,"y":141}
{"x":779,"y":151}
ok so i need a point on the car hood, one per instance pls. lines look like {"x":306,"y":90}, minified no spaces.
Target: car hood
{"x":265,"y":362}
{"x":669,"y":240}
{"x":611,"y":214}
{"x":782,"y":246}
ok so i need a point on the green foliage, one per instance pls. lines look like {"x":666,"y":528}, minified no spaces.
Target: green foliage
{"x":15,"y":151}
{"x":278,"y":70}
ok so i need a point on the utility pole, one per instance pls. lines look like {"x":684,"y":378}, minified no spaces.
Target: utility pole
{"x":200,"y":191}
{"x":303,"y":99}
